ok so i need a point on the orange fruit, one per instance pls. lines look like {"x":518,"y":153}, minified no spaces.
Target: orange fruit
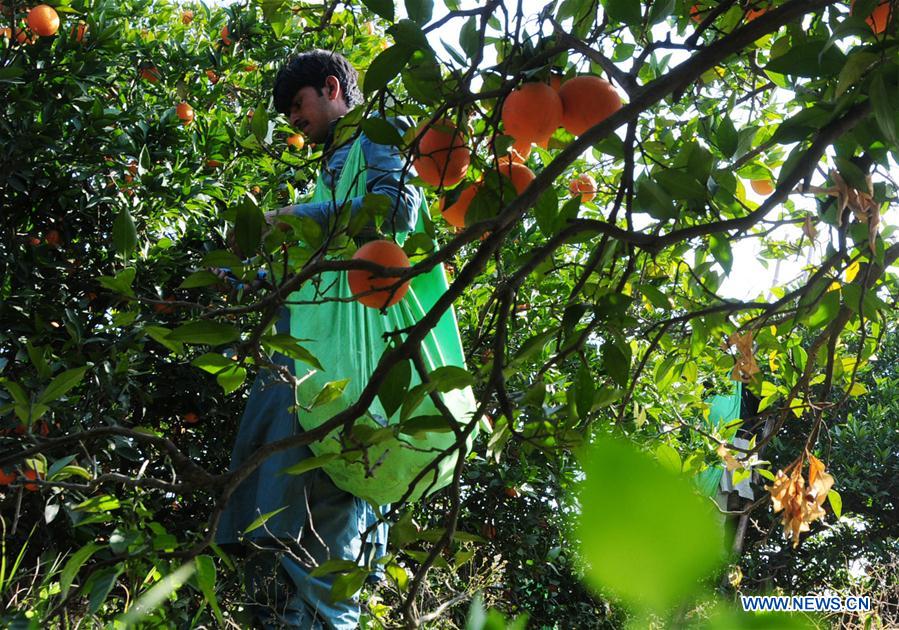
{"x":165,"y":309}
{"x":150,"y":73}
{"x":6,"y":32}
{"x":78,"y":32}
{"x":225,"y":39}
{"x":43,"y":20}
{"x":879,"y":18}
{"x":250,"y":67}
{"x":185,"y":112}
{"x":696,"y":13}
{"x":386,"y":254}
{"x":586,"y":101}
{"x":583,"y":185}
{"x":442,"y":158}
{"x":752,"y":14}
{"x":32,"y":474}
{"x":6,"y":478}
{"x":22,"y":36}
{"x":762,"y":187}
{"x":187,"y":16}
{"x":455,"y":213}
{"x":296,"y":140}
{"x":532,"y":113}
{"x":213,"y":163}
{"x":212,"y":76}
{"x":53,"y":238}
{"x":520,"y":174}
{"x":191,"y":418}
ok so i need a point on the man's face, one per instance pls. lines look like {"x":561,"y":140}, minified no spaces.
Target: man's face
{"x":311,"y":113}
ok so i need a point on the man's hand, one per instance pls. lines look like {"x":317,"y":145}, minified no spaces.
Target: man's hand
{"x":271,"y":217}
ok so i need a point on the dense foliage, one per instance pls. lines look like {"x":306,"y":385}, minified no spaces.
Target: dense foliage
{"x":125,"y":362}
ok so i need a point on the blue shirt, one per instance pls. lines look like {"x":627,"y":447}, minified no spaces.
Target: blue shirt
{"x":384,"y":175}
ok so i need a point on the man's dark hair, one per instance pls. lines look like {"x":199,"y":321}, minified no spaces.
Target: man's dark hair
{"x":311,"y":68}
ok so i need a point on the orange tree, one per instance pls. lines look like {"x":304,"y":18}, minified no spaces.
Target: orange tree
{"x":136,"y":139}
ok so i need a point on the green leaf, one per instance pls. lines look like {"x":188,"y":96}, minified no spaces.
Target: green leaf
{"x":200,"y":278}
{"x":809,"y":59}
{"x":681,"y":185}
{"x":205,"y":567}
{"x":630,"y":556}
{"x":836,"y":503}
{"x":124,"y":234}
{"x":259,"y":122}
{"x":388,"y":64}
{"x":334,"y":565}
{"x":854,"y":69}
{"x":212,"y":362}
{"x":231,"y":378}
{"x":397,"y":575}
{"x":420,"y":426}
{"x":826,"y":310}
{"x":669,"y":458}
{"x":616,"y":363}
{"x":102,"y":503}
{"x":248,"y":226}
{"x":205,"y":332}
{"x":884,"y":108}
{"x":262,"y":519}
{"x":395,"y":386}
{"x":290,"y":347}
{"x":121,"y":283}
{"x":348,"y":584}
{"x":329,"y":393}
{"x":726,"y":137}
{"x":449,"y":377}
{"x":719,"y":245}
{"x":546,"y":211}
{"x":61,"y":385}
{"x":384,"y":8}
{"x":74,"y":564}
{"x":310,"y":463}
{"x":160,"y":334}
{"x":156,"y":595}
{"x":420,"y":10}
{"x":624,"y":11}
{"x":380,"y":131}
{"x":100,"y":585}
{"x":468,"y":37}
{"x":654,"y":200}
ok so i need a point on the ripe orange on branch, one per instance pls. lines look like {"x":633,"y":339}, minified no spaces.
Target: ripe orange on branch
{"x":879,"y":18}
{"x":532,"y":113}
{"x":43,"y":20}
{"x":78,"y":31}
{"x":185,"y":112}
{"x":386,"y":254}
{"x":150,"y":73}
{"x":586,"y":101}
{"x":442,"y":158}
{"x":583,"y":185}
{"x":187,"y":16}
{"x":32,"y":474}
{"x":296,"y":141}
{"x":520,"y":174}
{"x":225,"y":39}
{"x":456,"y":211}
{"x":762,"y":187}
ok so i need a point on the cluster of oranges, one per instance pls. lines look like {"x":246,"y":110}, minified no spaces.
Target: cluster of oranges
{"x":530,"y":115}
{"x":878,"y":20}
{"x":42,"y":21}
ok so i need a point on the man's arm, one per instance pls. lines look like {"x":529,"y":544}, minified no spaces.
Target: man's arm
{"x":384,"y":175}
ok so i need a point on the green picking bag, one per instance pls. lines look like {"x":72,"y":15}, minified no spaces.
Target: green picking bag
{"x":723,"y":409}
{"x":348,"y":340}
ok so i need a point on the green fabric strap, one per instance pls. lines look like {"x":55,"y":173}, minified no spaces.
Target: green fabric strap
{"x":348,"y":340}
